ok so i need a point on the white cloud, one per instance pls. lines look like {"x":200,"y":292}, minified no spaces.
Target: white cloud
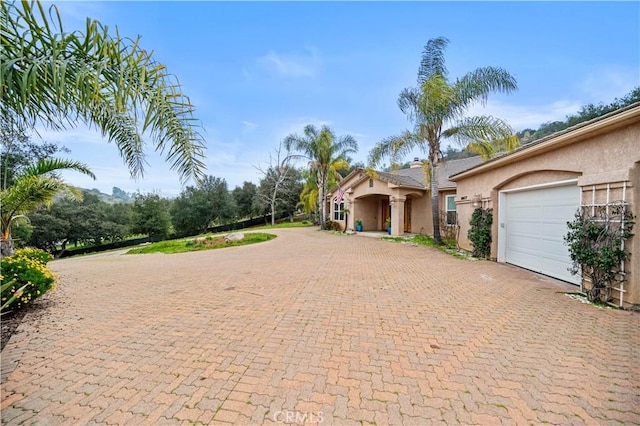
{"x":297,"y":125}
{"x":291,"y":65}
{"x":601,"y":86}
{"x":222,"y":156}
{"x":608,"y":83}
{"x":69,"y":137}
{"x":247,"y":74}
{"x":249,"y":125}
{"x":527,"y":116}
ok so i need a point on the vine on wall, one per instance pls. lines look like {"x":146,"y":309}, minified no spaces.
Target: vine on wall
{"x":596,"y":245}
{"x":480,"y":232}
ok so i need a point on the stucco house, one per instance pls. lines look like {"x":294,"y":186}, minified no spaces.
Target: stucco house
{"x":401,"y":195}
{"x":535,"y":190}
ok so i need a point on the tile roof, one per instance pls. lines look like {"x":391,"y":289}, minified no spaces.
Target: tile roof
{"x":416,"y":181}
{"x":415,"y":178}
{"x":445,"y":169}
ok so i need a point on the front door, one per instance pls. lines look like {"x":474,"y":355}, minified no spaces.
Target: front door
{"x":407,"y":215}
{"x":385,"y":212}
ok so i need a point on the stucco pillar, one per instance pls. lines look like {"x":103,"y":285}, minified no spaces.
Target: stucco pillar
{"x":350,"y":205}
{"x":397,"y":215}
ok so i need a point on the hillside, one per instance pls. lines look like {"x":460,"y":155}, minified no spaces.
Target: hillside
{"x":117,"y":196}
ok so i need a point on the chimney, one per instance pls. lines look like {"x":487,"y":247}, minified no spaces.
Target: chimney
{"x":415,"y":163}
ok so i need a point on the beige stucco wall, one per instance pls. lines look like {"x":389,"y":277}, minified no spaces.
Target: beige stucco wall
{"x":368,"y":209}
{"x":364,"y":202}
{"x":421,"y":222}
{"x":609,"y":156}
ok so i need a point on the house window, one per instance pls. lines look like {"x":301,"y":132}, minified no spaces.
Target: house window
{"x":338,"y":210}
{"x":452,"y":218}
{"x":370,"y":183}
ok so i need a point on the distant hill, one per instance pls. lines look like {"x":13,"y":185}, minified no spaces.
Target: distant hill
{"x":117,"y":196}
{"x":585,"y":113}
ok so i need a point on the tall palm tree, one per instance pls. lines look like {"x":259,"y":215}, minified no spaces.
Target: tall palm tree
{"x":325,"y":153}
{"x":35,"y":185}
{"x":437,"y":109}
{"x":62,"y":78}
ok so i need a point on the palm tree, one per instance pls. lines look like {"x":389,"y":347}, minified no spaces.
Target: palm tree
{"x":62,"y":78}
{"x":326,"y":154}
{"x":35,"y":185}
{"x":309,"y":195}
{"x":437,"y":109}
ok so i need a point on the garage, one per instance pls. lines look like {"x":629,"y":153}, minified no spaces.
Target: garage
{"x":536,"y":189}
{"x":533,"y":225}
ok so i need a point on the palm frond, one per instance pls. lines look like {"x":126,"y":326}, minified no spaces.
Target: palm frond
{"x":26,"y":194}
{"x":484,"y":135}
{"x":478,"y":84}
{"x":345,"y":145}
{"x":311,"y":132}
{"x":121,"y":130}
{"x":436,"y":101}
{"x":309,"y":195}
{"x":395,"y":148}
{"x":408,"y":102}
{"x":62,"y":78}
{"x":49,"y":165}
{"x":433,"y":61}
{"x":34,"y":186}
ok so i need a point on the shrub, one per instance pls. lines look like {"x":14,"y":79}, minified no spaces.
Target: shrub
{"x":448,"y":231}
{"x":480,"y":232}
{"x":595,"y":239}
{"x":25,"y":276}
{"x":35,"y":254}
{"x":333,"y":226}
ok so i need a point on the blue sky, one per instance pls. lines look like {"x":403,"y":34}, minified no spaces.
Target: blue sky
{"x":258,"y":71}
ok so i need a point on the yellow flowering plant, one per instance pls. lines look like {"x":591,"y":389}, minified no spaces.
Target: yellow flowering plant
{"x":25,"y":277}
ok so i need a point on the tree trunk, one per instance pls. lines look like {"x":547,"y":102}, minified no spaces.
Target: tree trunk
{"x":322,"y":205}
{"x":63,"y":248}
{"x":273,"y":212}
{"x":6,"y":247}
{"x":435,"y":205}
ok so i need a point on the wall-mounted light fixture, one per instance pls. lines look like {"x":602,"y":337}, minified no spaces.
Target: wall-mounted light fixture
{"x":476,"y":201}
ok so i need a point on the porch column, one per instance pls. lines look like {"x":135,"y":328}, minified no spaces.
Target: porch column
{"x":397,"y":215}
{"x":351,"y":206}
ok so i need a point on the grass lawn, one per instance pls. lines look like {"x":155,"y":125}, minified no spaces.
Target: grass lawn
{"x":303,"y":224}
{"x":447,"y":246}
{"x":200,"y":243}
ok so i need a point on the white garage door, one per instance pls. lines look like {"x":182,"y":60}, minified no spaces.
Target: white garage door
{"x":536,"y":222}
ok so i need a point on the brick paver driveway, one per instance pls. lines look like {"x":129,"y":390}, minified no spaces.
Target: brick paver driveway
{"x":317,"y":328}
